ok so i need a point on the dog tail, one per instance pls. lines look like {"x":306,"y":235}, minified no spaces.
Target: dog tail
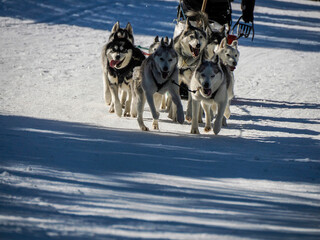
{"x":200,"y":17}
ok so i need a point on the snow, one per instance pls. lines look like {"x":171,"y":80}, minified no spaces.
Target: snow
{"x":71,"y":170}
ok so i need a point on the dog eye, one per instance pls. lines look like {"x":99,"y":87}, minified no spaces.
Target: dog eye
{"x":212,"y":76}
{"x":228,"y":54}
{"x":170,"y":60}
{"x":236,"y":55}
{"x":161,"y":59}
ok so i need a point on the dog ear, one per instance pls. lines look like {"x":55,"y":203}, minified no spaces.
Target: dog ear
{"x":166,"y":40}
{"x":171,"y":43}
{"x":115,"y":27}
{"x":235,"y":44}
{"x":223,"y":43}
{"x":162,"y":42}
{"x":188,"y":25}
{"x":129,"y":28}
{"x":156,"y":39}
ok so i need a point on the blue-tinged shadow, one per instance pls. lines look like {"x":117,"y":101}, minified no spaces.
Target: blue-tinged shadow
{"x":156,"y":18}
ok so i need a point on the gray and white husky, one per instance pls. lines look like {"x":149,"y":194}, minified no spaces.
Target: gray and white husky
{"x":189,"y":45}
{"x":210,"y":88}
{"x":229,"y":55}
{"x":159,"y":74}
{"x":119,"y":58}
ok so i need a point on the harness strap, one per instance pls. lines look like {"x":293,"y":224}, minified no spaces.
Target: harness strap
{"x":193,"y":91}
{"x":213,"y":95}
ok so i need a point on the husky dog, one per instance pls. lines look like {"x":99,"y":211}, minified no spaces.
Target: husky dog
{"x":153,"y":47}
{"x":159,"y":74}
{"x":125,"y":33}
{"x":229,"y":55}
{"x":189,"y":45}
{"x":210,"y":87}
{"x":120,"y":57}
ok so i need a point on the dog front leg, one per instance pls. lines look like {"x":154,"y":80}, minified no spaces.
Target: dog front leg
{"x":106,"y":89}
{"x":153,"y":110}
{"x":177,"y":105}
{"x":116,"y":101}
{"x":207,"y":109}
{"x":189,"y":108}
{"x":219,"y":118}
{"x":195,"y":123}
{"x":128,"y":104}
{"x":140,"y":108}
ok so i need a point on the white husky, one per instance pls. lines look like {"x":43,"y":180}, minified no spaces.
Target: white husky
{"x":229,"y":55}
{"x":159,"y":74}
{"x":209,"y":87}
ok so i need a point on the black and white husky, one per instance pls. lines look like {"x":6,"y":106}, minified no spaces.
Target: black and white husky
{"x":210,"y":89}
{"x":159,"y":74}
{"x":119,"y":58}
{"x":125,"y":33}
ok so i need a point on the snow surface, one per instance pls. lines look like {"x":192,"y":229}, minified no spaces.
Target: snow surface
{"x":71,"y":170}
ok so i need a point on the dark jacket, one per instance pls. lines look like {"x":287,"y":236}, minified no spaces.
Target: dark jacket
{"x":220,"y":10}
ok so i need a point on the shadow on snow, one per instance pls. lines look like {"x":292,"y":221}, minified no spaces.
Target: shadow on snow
{"x":156,"y":18}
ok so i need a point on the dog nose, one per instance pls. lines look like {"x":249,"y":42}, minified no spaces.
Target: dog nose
{"x":118,"y":57}
{"x":234,"y":63}
{"x":206,"y":85}
{"x":165,"y":69}
{"x":198,"y":45}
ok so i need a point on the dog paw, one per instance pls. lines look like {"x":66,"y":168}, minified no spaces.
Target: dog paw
{"x":155,"y":126}
{"x":180,"y":119}
{"x":126,"y":114}
{"x":111,"y":110}
{"x":195,"y":131}
{"x":189,"y":118}
{"x":144,"y":128}
{"x":207,"y":129}
{"x":216,"y":128}
{"x":224,"y":122}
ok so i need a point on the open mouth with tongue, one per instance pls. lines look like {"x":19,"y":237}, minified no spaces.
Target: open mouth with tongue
{"x":195,"y":51}
{"x":232,"y":68}
{"x":164,"y":75}
{"x":115,"y":63}
{"x":207,"y":91}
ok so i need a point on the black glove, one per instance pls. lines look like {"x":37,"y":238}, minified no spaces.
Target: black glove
{"x":247,"y":7}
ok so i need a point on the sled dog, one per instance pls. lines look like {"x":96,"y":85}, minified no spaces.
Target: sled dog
{"x":210,"y":88}
{"x":159,"y":74}
{"x":116,"y":32}
{"x":229,"y":55}
{"x":189,"y":45}
{"x":120,"y":58}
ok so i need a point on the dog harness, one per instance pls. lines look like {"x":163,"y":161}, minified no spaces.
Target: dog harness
{"x":126,"y":72}
{"x":160,"y":85}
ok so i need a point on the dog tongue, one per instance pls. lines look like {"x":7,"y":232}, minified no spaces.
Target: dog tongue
{"x":164,"y":75}
{"x":207,"y":91}
{"x":113,"y":63}
{"x":196,"y":52}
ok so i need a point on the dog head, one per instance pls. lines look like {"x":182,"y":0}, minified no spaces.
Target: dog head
{"x":156,"y":43}
{"x":209,"y":76}
{"x":121,"y":33}
{"x":215,"y":37}
{"x":165,"y":58}
{"x":119,"y":53}
{"x":193,"y":40}
{"x":229,"y":54}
